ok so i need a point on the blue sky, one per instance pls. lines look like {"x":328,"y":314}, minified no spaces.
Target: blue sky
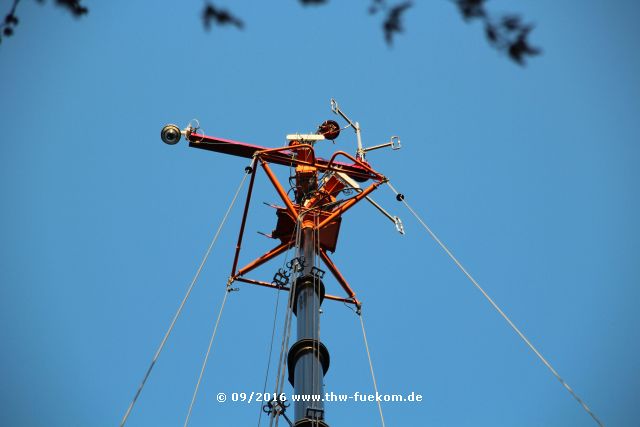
{"x":528,"y":174}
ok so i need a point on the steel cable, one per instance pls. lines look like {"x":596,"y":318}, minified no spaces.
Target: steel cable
{"x":400,"y":197}
{"x":206,"y":357}
{"x":184,"y":300}
{"x":373,"y":376}
{"x":273,"y":334}
{"x":286,"y":331}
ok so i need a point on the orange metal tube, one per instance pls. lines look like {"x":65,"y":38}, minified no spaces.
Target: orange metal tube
{"x":322,"y":165}
{"x":244,"y":218}
{"x":285,"y":288}
{"x":261,"y":283}
{"x":365,"y":174}
{"x":341,"y":299}
{"x":348,"y":204}
{"x":290,"y":148}
{"x":264,"y":258}
{"x":339,"y":277}
{"x":283,"y":194}
{"x":356,"y":161}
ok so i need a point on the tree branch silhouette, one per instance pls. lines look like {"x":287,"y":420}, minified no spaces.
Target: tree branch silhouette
{"x":507,"y":33}
{"x":11,"y":20}
{"x":73,"y":6}
{"x":392,"y":23}
{"x":212,"y":14}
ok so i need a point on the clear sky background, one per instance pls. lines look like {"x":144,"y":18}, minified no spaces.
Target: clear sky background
{"x":529,"y":174}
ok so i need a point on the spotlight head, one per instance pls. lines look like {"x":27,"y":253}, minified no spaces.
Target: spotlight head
{"x":170,"y":134}
{"x":330,"y":129}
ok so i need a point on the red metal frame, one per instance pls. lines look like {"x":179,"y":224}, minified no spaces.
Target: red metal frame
{"x":286,"y":288}
{"x":283,"y":156}
{"x":244,"y":218}
{"x":314,"y":213}
{"x":339,"y":277}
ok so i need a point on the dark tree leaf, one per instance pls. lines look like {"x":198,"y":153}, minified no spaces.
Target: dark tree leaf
{"x":211,"y":14}
{"x":376,"y":6}
{"x":471,"y":9}
{"x":508,"y":33}
{"x":491,"y":32}
{"x":393,"y":23}
{"x":11,"y":19}
{"x":312,"y":2}
{"x":511,"y":22}
{"x":73,"y":6}
{"x":520,"y":48}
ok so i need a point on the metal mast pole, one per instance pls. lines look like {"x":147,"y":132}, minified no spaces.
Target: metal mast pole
{"x":316,"y":214}
{"x":308,"y":358}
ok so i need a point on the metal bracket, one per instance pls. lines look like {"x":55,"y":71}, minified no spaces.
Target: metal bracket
{"x":296,"y":264}
{"x":334,"y":106}
{"x":354,"y":185}
{"x":281,"y":278}
{"x":278,"y":407}
{"x":399,"y":225}
{"x":394,"y":143}
{"x":310,"y":138}
{"x":356,"y":127}
{"x":317,"y":272}
{"x":192,"y":126}
{"x":315,"y":413}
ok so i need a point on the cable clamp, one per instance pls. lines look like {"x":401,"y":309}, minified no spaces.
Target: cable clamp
{"x":317,"y":272}
{"x":399,"y":226}
{"x":315,"y":413}
{"x":359,"y":309}
{"x":296,"y":264}
{"x":395,"y":143}
{"x":281,"y":278}
{"x":277,"y":407}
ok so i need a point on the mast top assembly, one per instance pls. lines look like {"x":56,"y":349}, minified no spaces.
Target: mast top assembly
{"x":321,"y":192}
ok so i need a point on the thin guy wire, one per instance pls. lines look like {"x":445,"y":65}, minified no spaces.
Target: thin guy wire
{"x":316,"y":299}
{"x":287,"y":322}
{"x":319,"y":371}
{"x":184,"y":300}
{"x":513,"y":326}
{"x":319,"y":367}
{"x":286,"y":331}
{"x":373,"y":376}
{"x":273,"y":334}
{"x":315,"y":346}
{"x":206,"y":357}
{"x":314,"y":308}
{"x":281,"y":361}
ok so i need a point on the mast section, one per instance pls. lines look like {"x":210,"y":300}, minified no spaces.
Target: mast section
{"x":310,"y":223}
